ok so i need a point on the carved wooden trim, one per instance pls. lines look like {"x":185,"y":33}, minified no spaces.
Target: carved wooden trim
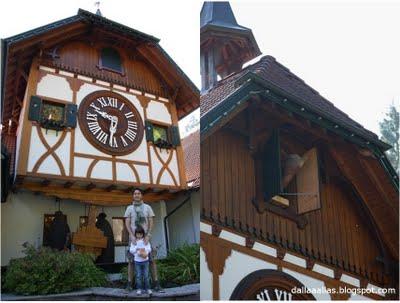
{"x":216,"y":255}
{"x":165,"y":165}
{"x":250,"y":242}
{"x":90,"y":168}
{"x":100,"y":158}
{"x":97,"y":196}
{"x":144,"y":101}
{"x":208,"y":239}
{"x":280,"y":253}
{"x":337,"y":273}
{"x":310,"y":263}
{"x":50,"y":151}
{"x":216,"y":230}
{"x":26,"y":124}
{"x":336,"y":296}
{"x":134,"y":172}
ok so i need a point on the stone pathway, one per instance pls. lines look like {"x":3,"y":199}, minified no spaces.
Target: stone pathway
{"x":187,"y":292}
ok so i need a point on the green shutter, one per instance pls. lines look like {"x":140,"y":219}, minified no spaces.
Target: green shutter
{"x":175,"y":137}
{"x":272,"y":182}
{"x":70,"y":115}
{"x":149,"y":131}
{"x":35,"y":109}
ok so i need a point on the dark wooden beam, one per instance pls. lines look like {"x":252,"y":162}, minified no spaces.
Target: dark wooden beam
{"x":68,"y":184}
{"x":111,"y":187}
{"x":90,"y":186}
{"x":45,"y":183}
{"x":147,"y":190}
{"x":129,"y":189}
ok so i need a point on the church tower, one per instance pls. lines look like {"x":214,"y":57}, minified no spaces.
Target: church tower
{"x":224,"y":44}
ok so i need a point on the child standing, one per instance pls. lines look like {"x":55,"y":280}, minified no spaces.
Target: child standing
{"x":141,"y":252}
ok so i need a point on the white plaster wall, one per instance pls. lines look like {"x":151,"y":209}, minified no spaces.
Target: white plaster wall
{"x":144,"y":173}
{"x":173,"y":165}
{"x":238,"y":266}
{"x":102,"y":170}
{"x":140,"y":154}
{"x":135,"y":101}
{"x":125,"y":173}
{"x":22,"y":221}
{"x":183,"y":225}
{"x":155,"y":164}
{"x":354,"y":297}
{"x":158,"y":239}
{"x":36,"y":149}
{"x":206,"y":280}
{"x":84,"y":147}
{"x":166,"y":178}
{"x":54,"y":87}
{"x":310,"y":283}
{"x":23,"y":214}
{"x":158,"y":111}
{"x":63,"y":152}
{"x":86,"y":89}
{"x":81,"y":166}
{"x":49,"y":166}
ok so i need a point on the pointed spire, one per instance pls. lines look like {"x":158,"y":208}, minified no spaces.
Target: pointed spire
{"x":224,"y":44}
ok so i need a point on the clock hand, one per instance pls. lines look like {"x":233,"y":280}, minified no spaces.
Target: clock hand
{"x":104,"y":114}
{"x":113,"y":127}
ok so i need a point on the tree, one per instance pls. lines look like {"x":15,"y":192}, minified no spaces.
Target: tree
{"x":390,"y":134}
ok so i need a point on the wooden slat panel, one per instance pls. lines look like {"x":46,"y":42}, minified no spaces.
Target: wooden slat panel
{"x":308,"y":182}
{"x":331,"y":230}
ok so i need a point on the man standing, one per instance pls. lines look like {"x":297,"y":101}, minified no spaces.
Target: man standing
{"x":140,"y":213}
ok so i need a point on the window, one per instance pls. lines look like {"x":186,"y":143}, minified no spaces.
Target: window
{"x":287,"y":180}
{"x":121,"y":236}
{"x":53,"y":111}
{"x":110,"y":60}
{"x":48,"y":219}
{"x":162,"y":136}
{"x":52,"y":115}
{"x":160,"y":133}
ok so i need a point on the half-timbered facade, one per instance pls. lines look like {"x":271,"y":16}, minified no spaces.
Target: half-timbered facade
{"x":90,"y":111}
{"x":295,"y":194}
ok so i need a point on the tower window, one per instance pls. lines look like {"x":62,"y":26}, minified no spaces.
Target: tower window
{"x":110,"y":60}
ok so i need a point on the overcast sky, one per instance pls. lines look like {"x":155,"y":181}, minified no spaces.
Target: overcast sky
{"x":348,"y":51}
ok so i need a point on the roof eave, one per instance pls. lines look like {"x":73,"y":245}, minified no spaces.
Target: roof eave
{"x":269,"y":85}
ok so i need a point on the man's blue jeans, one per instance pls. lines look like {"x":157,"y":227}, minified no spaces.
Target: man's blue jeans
{"x":142,"y":275}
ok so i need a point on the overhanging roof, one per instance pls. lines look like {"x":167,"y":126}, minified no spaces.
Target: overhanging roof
{"x":19,"y":50}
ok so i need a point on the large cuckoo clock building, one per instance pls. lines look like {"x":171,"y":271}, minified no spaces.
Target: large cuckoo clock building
{"x":295,"y":194}
{"x":90,"y":110}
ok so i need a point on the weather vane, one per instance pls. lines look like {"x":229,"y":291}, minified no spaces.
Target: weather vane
{"x":97,"y":5}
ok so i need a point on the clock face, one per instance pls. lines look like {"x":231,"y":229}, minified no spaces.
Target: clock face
{"x":110,"y":122}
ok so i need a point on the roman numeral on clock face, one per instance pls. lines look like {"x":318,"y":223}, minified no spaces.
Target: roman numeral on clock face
{"x":102,"y":102}
{"x":113,"y":102}
{"x":94,"y":127}
{"x":94,"y":106}
{"x":129,"y":115}
{"x":91,"y":117}
{"x":124,"y":143}
{"x":102,"y":137}
{"x":130,"y":134}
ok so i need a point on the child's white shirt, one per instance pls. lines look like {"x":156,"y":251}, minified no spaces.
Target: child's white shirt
{"x":134,"y":249}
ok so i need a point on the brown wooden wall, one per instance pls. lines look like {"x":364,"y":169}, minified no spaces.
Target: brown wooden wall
{"x":336,"y":234}
{"x":83,"y":57}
